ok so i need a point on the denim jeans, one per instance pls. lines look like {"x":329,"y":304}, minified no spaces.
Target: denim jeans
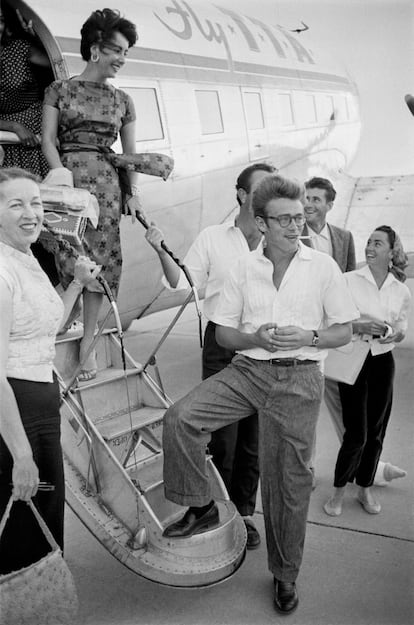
{"x":235,"y":447}
{"x":287,"y":401}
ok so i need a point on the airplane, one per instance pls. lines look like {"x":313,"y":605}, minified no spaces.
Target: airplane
{"x":216,"y":89}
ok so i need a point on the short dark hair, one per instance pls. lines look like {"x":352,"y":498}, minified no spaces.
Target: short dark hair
{"x":322,"y":183}
{"x":101,"y":26}
{"x":274,"y":188}
{"x":244,"y":179}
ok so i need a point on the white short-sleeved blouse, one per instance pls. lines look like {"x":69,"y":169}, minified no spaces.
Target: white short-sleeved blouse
{"x":37,"y":314}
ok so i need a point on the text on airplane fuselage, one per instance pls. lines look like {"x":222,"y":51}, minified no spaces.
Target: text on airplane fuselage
{"x":215,"y":32}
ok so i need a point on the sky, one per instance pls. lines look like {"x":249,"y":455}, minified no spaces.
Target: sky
{"x":375,"y":41}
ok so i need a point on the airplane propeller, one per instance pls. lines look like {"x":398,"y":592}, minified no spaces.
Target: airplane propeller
{"x":409,"y":99}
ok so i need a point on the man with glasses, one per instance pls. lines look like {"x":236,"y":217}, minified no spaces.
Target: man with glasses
{"x":234,"y":448}
{"x":281,"y":306}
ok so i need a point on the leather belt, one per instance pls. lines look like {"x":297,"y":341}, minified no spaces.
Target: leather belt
{"x":290,"y":362}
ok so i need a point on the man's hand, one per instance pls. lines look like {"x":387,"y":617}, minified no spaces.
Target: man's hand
{"x":265,"y":337}
{"x":155,"y":237}
{"x":291,"y":337}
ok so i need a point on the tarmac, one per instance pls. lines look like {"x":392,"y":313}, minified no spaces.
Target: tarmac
{"x":358,"y":569}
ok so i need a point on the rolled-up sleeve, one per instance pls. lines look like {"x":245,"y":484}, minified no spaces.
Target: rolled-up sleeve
{"x":338,"y":303}
{"x":231,"y":301}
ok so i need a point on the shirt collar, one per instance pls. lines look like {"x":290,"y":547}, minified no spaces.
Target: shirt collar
{"x":366,"y":273}
{"x":304,"y":252}
{"x":324,"y":233}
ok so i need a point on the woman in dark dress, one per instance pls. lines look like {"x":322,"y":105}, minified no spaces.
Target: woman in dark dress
{"x":86,"y":114}
{"x":20,"y":93}
{"x":24,"y":71}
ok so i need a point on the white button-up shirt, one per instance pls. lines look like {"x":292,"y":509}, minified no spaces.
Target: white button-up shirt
{"x":209,"y":259}
{"x":37,"y":314}
{"x":321,"y":241}
{"x":313,"y":294}
{"x":390,"y":303}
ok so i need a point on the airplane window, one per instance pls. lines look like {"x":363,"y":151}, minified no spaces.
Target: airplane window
{"x":284,"y":109}
{"x":324,"y":107}
{"x":254,"y":110}
{"x":209,"y":111}
{"x":305,"y":108}
{"x":148,"y":125}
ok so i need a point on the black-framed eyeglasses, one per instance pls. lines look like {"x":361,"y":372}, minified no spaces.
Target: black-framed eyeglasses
{"x":285,"y":220}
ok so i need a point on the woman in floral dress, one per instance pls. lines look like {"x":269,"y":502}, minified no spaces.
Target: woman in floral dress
{"x":85,"y":114}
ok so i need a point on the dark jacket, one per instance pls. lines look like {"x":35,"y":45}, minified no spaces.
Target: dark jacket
{"x":343,"y":248}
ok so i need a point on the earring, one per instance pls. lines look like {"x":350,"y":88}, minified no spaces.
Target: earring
{"x":390,"y":264}
{"x":94,"y":57}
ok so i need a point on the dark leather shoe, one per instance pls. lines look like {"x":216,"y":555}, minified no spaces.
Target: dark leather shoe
{"x":286,"y":597}
{"x":190,"y":524}
{"x":253,"y":536}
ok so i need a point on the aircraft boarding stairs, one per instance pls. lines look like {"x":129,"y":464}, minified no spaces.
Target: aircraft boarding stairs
{"x":111,"y":439}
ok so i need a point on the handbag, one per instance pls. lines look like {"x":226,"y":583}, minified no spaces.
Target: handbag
{"x":344,"y":363}
{"x":42,"y":593}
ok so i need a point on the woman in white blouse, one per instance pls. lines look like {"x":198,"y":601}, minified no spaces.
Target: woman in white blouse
{"x":31,"y":313}
{"x":383,"y":302}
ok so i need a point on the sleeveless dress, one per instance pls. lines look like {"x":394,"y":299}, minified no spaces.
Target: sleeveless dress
{"x":20,"y":101}
{"x":90,"y":117}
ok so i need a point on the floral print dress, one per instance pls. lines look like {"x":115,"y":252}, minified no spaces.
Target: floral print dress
{"x":90,"y":117}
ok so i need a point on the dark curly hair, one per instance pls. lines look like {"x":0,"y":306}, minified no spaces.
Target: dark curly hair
{"x":101,"y":26}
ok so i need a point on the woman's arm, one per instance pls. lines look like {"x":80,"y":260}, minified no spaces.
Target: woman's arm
{"x":50,"y":120}
{"x":25,"y":475}
{"x":127,"y":134}
{"x":86,"y":270}
{"x":26,"y":136}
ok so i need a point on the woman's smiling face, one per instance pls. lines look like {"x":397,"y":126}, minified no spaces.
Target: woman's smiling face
{"x":21,"y":213}
{"x":378,"y":252}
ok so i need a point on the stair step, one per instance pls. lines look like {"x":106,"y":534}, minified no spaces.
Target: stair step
{"x":118,"y":432}
{"x":148,"y":474}
{"x":112,"y":392}
{"x":120,"y":425}
{"x":107,"y":351}
{"x":108,"y":375}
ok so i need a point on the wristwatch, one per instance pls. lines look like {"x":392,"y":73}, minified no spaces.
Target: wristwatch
{"x":315,"y":339}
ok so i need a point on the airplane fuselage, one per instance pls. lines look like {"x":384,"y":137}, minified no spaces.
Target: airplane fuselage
{"x":216,"y":90}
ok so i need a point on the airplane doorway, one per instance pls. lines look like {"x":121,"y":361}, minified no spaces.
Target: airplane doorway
{"x":58,"y":69}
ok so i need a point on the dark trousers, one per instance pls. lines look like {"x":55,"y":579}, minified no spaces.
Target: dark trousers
{"x":22,"y":541}
{"x":366,"y":409}
{"x":234,"y":448}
